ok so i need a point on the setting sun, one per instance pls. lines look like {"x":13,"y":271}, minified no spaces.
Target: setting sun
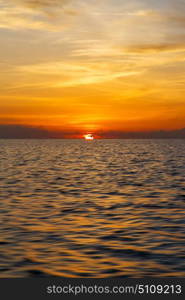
{"x":88,"y":137}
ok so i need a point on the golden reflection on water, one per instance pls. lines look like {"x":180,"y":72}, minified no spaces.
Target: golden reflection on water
{"x":105,"y":209}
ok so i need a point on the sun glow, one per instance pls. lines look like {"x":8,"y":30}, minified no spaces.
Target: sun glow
{"x":88,"y":137}
{"x":100,"y":74}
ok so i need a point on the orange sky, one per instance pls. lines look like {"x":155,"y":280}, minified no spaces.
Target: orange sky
{"x":92,"y":66}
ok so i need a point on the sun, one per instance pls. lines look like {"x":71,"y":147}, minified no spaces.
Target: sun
{"x":88,"y":137}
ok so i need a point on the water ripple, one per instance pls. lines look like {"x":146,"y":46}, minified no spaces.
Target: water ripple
{"x":106,"y":208}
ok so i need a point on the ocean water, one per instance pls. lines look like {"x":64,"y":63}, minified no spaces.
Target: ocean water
{"x":102,"y":208}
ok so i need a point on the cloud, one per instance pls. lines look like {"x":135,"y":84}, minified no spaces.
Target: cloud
{"x":176,"y":13}
{"x":143,"y":13}
{"x":52,"y":15}
{"x":14,"y":131}
{"x":15,"y":20}
{"x":19,"y":132}
{"x":50,"y":7}
{"x":66,"y":74}
{"x":156,"y":48}
{"x":40,"y":4}
{"x":160,"y":134}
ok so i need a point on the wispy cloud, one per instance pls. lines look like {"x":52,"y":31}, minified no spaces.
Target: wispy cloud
{"x":156,"y":48}
{"x":97,"y":52}
{"x":73,"y":74}
{"x":40,"y":4}
{"x":36,"y":15}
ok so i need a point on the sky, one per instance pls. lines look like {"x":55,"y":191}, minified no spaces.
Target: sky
{"x":73,"y":67}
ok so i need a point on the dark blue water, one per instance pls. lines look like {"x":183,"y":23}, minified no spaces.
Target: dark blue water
{"x":101,"y":208}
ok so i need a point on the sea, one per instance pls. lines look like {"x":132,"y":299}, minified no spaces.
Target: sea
{"x":96,"y":209}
